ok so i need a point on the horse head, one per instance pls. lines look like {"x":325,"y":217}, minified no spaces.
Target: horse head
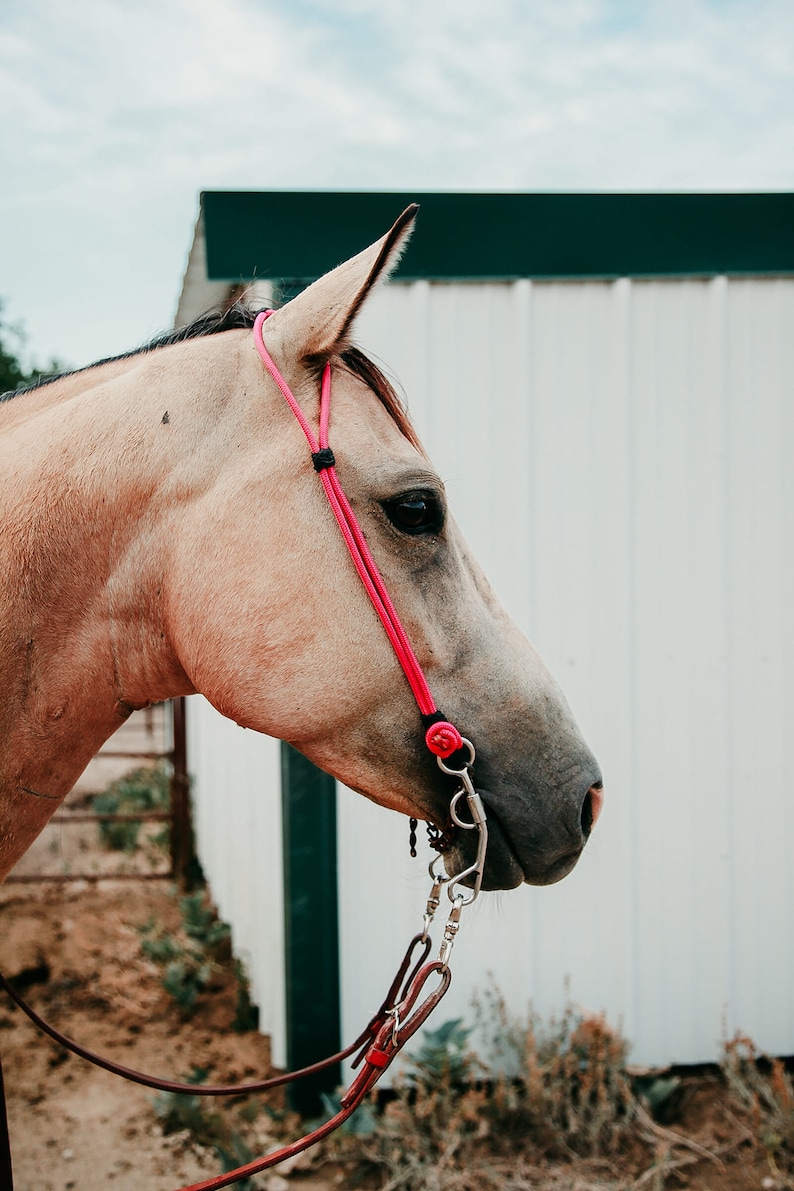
{"x":268,"y":618}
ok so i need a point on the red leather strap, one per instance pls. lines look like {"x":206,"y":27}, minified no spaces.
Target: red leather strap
{"x":262,"y":1085}
{"x":389,"y":1042}
{"x":395,"y":1022}
{"x":168,"y":1085}
{"x":288,"y":1151}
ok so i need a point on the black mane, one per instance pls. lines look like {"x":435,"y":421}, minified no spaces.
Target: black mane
{"x":239,"y":317}
{"x":235,"y":317}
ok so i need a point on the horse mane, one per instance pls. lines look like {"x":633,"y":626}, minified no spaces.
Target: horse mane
{"x":238,"y":316}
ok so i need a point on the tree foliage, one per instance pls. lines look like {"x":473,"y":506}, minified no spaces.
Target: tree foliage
{"x":13,"y":372}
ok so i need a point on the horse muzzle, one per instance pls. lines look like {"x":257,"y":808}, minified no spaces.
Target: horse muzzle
{"x":522,"y":852}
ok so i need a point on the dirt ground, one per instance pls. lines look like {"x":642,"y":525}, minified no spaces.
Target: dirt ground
{"x":74,"y":950}
{"x":73,"y":1126}
{"x":76,"y":947}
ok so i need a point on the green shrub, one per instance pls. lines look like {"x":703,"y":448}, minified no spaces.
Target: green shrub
{"x":200,"y":921}
{"x":207,"y":1126}
{"x":138,"y":792}
{"x":246,"y":1013}
{"x":189,"y":957}
{"x":184,"y":978}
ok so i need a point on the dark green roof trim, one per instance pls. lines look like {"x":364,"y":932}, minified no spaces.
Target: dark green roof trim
{"x":295,"y":236}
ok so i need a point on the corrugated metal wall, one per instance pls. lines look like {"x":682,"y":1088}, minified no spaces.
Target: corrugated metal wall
{"x":236,"y":794}
{"x":619,"y":455}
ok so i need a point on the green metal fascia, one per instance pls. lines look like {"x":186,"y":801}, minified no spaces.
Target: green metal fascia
{"x":295,"y":236}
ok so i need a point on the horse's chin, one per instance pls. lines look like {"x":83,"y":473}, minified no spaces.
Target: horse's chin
{"x":503,"y":868}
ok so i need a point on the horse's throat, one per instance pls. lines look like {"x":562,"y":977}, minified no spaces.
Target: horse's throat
{"x":51,"y":723}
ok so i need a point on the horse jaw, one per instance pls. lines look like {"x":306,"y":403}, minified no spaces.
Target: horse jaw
{"x":539,"y":781}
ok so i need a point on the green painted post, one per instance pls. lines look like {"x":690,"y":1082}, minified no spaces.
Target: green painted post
{"x":311,"y":926}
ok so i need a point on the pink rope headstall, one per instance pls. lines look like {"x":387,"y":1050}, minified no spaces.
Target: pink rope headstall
{"x":441,"y":737}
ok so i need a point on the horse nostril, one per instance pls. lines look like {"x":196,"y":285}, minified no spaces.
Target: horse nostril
{"x":592,"y":807}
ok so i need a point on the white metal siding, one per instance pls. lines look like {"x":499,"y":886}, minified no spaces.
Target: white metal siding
{"x":619,"y":455}
{"x":236,"y":793}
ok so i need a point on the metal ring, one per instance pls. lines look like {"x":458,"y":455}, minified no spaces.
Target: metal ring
{"x":468,"y":792}
{"x":442,"y":877}
{"x":458,"y":772}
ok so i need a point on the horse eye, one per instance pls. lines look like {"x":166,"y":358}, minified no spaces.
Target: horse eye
{"x":416,"y":512}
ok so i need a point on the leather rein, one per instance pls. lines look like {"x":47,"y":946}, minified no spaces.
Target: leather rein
{"x":408,"y":1002}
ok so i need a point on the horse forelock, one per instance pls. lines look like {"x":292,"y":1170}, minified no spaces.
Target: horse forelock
{"x":239,"y":316}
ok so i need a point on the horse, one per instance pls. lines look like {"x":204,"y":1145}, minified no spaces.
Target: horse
{"x":164,"y":533}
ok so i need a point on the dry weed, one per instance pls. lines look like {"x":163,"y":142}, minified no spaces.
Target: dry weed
{"x":555,"y":1110}
{"x":457,"y":1124}
{"x":763,"y":1092}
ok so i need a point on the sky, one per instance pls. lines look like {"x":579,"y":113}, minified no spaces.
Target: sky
{"x":114,"y":117}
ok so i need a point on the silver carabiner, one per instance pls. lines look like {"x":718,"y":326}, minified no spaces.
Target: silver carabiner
{"x":394,"y":1014}
{"x":451,"y":931}
{"x":478,"y":823}
{"x":478,"y":816}
{"x":434,"y":900}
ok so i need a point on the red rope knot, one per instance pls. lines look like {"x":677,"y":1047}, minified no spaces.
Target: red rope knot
{"x":443,"y":739}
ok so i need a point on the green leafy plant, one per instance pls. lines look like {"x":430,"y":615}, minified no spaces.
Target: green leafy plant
{"x":180,"y":1112}
{"x":184,"y":979}
{"x":661,"y":1093}
{"x":138,"y":792}
{"x":188,"y":958}
{"x":427,"y":1131}
{"x":361,"y":1123}
{"x":14,"y":372}
{"x":444,"y":1056}
{"x":161,"y":949}
{"x":246,"y":1013}
{"x":200,"y":921}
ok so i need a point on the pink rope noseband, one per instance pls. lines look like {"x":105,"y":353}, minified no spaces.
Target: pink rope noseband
{"x":441,"y":737}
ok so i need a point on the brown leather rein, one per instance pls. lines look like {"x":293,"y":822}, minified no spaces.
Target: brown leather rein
{"x":398,"y":1018}
{"x":406,"y":1006}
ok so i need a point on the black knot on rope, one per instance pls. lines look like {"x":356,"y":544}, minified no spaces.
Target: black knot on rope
{"x":323,"y":459}
{"x":434,"y":717}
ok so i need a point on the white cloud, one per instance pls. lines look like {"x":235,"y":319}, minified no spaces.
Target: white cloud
{"x":115,"y":116}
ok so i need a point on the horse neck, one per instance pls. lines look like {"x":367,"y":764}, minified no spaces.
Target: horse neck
{"x":82,"y":550}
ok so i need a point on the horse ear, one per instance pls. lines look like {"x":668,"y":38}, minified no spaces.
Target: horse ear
{"x":318,"y":321}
